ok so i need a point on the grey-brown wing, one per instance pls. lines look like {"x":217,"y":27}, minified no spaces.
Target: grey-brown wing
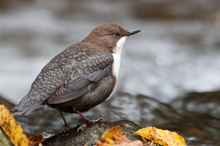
{"x":52,"y":77}
{"x":84,"y":79}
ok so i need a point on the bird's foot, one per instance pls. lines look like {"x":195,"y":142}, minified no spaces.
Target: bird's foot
{"x":82,"y":127}
{"x":65,"y":129}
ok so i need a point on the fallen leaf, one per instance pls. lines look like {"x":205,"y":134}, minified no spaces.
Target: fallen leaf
{"x":133,"y":143}
{"x":115,"y":137}
{"x":11,"y":128}
{"x":162,"y":137}
{"x":35,"y":140}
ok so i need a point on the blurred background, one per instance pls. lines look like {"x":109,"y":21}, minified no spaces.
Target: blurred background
{"x":170,"y":72}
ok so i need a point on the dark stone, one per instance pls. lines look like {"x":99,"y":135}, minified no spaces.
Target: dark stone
{"x":92,"y":134}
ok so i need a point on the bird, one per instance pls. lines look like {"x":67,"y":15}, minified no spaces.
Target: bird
{"x":81,"y":76}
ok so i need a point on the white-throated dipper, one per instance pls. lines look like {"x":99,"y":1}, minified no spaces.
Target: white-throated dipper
{"x":80,"y":77}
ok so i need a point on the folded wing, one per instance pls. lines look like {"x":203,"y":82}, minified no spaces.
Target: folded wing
{"x":84,"y":79}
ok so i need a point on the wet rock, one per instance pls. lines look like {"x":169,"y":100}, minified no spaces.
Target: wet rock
{"x":203,"y":103}
{"x":199,"y":113}
{"x":92,"y":134}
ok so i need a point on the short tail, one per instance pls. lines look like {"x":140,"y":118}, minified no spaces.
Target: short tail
{"x":25,"y":106}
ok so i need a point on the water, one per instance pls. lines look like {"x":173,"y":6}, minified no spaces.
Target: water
{"x":172,"y":56}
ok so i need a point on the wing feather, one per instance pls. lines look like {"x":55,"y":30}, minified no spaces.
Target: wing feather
{"x":84,"y":79}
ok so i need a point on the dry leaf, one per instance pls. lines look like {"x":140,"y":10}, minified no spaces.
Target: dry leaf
{"x":162,"y":137}
{"x":11,"y":128}
{"x":35,"y":140}
{"x":115,"y":137}
{"x":133,"y":143}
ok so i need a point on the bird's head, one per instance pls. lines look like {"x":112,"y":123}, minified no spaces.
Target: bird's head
{"x":110,"y":37}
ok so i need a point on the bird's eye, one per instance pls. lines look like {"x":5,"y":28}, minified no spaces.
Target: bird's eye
{"x":117,"y":34}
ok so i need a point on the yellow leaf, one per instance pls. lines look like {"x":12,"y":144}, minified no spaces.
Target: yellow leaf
{"x":162,"y":137}
{"x":115,"y":137}
{"x":11,"y":128}
{"x":111,"y":137}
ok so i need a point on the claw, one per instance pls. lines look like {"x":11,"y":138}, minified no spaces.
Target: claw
{"x":65,"y":129}
{"x":82,"y":127}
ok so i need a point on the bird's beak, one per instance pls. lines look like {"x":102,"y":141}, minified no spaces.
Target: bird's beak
{"x":133,"y":32}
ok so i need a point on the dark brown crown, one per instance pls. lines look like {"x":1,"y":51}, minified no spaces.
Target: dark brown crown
{"x":106,"y":36}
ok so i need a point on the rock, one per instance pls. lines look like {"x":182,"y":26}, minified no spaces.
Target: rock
{"x":92,"y":134}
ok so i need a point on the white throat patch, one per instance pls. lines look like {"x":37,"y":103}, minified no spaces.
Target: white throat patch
{"x":117,"y":55}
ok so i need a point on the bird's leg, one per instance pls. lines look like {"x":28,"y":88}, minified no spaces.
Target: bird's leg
{"x":86,"y":120}
{"x":67,"y":127}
